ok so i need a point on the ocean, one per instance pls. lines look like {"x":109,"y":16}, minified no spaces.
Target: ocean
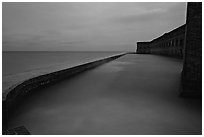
{"x":21,"y":65}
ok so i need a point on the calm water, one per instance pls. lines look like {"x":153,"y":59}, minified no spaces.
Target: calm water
{"x":18,"y":66}
{"x":134,"y":94}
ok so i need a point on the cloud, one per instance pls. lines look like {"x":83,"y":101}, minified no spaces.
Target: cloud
{"x":86,"y":26}
{"x":152,"y":12}
{"x":140,"y":18}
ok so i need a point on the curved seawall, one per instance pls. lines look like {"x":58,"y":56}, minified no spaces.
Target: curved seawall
{"x":14,"y":94}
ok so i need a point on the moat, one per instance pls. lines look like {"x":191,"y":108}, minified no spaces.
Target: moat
{"x":134,"y":94}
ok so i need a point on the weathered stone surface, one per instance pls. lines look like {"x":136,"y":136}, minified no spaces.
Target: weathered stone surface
{"x":192,"y":68}
{"x":17,"y":131}
{"x":169,"y":44}
{"x":143,"y":47}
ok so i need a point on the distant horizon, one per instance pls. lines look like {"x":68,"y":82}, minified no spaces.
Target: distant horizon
{"x":59,"y":51}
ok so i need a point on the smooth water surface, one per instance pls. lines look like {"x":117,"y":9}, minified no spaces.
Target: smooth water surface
{"x":135,"y":94}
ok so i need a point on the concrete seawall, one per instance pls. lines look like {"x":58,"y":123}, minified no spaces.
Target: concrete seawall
{"x":13,"y":95}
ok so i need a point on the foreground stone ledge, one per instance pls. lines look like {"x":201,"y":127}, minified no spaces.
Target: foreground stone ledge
{"x":17,"y":131}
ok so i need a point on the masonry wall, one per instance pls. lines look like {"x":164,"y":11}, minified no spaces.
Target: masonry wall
{"x":143,"y":48}
{"x":169,"y":44}
{"x":192,"y":68}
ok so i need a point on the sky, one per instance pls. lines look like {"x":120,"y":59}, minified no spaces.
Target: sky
{"x":87,"y":26}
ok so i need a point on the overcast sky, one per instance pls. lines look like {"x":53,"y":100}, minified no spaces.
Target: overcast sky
{"x":86,"y":26}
